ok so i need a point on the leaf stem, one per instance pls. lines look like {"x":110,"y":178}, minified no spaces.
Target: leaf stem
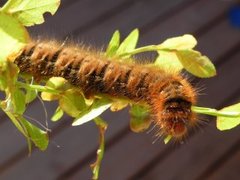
{"x":145,"y":49}
{"x":37,"y":87}
{"x":102,"y":125}
{"x":140,"y":50}
{"x":215,"y":112}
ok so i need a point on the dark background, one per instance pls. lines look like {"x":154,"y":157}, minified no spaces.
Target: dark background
{"x":207,"y":154}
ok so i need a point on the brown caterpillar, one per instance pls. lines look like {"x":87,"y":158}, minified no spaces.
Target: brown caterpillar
{"x":168,"y":94}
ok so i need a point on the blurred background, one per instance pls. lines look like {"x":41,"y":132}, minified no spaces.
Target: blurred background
{"x":207,"y":153}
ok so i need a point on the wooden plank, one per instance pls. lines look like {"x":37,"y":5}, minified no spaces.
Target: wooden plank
{"x":203,"y":148}
{"x":10,"y":140}
{"x":76,"y":15}
{"x":130,"y":18}
{"x":2,"y":2}
{"x":188,"y":21}
{"x":13,"y":140}
{"x":122,"y":159}
{"x":65,"y":3}
{"x":75,"y":143}
{"x":203,"y":12}
{"x":229,"y":169}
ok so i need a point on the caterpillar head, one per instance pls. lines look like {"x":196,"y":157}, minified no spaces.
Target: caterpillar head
{"x":176,"y":117}
{"x":172,"y":109}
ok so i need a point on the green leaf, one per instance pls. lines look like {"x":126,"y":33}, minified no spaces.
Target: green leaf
{"x":140,"y":119}
{"x":196,"y":64}
{"x":72,"y":102}
{"x":15,"y":101}
{"x":3,"y":75}
{"x":37,"y":136}
{"x":46,"y":96}
{"x":96,"y":109}
{"x":30,"y":95}
{"x":18,"y":100}
{"x":113,"y":44}
{"x":30,"y":12}
{"x":129,"y":43}
{"x":58,"y":83}
{"x":8,"y":76}
{"x":57,"y":114}
{"x":226,"y":123}
{"x":13,"y":36}
{"x":168,"y":61}
{"x":184,"y":42}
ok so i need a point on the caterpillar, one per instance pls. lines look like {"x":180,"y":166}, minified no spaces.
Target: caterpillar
{"x":168,"y":94}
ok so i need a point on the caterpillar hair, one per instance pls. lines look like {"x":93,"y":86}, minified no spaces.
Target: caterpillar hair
{"x":168,"y":94}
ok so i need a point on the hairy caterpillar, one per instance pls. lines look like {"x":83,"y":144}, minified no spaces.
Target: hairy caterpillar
{"x":169,"y":95}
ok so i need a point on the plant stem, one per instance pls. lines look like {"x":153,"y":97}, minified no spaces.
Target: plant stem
{"x":102,"y":125}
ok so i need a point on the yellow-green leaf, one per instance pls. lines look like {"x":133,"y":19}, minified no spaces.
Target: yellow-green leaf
{"x":46,"y":96}
{"x":226,"y":123}
{"x":30,"y":12}
{"x":168,"y":60}
{"x":184,"y":42}
{"x":96,"y":109}
{"x":57,"y":114}
{"x":57,"y":83}
{"x":30,"y":95}
{"x":3,"y":75}
{"x":129,"y":43}
{"x":140,"y":119}
{"x":18,"y":100}
{"x":196,"y":64}
{"x":8,"y":76}
{"x":113,"y":44}
{"x":13,"y":36}
{"x":72,"y":102}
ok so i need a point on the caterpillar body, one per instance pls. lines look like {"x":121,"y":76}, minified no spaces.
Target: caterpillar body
{"x":168,"y":94}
